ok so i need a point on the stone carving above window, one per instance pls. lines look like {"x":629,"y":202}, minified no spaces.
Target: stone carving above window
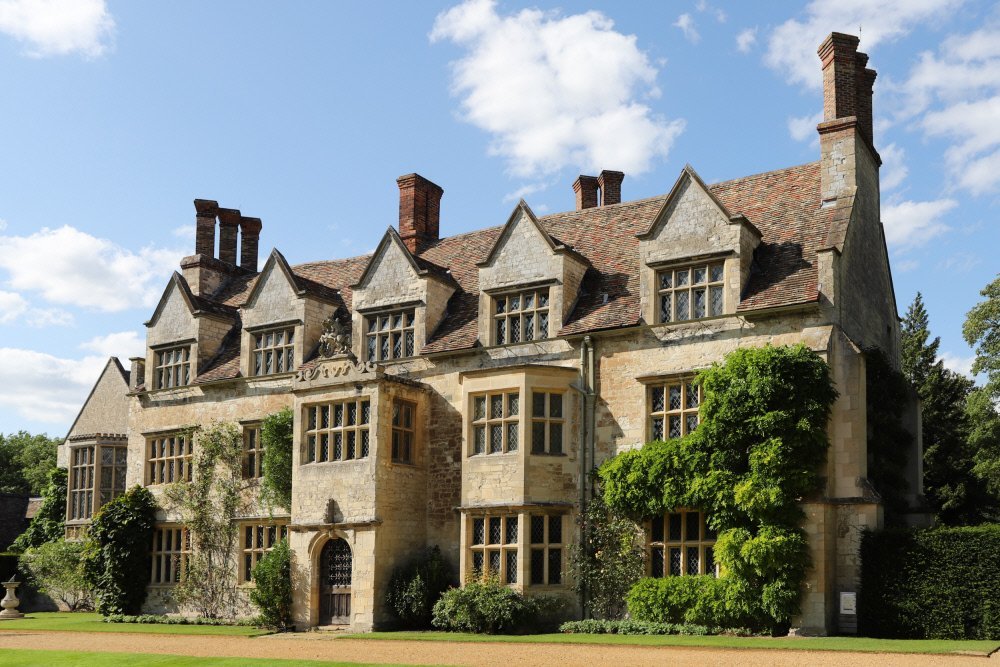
{"x":335,"y":340}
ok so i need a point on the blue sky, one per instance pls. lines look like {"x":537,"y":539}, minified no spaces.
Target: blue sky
{"x":114,"y":115}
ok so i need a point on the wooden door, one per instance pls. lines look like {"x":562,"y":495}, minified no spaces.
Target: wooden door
{"x":335,"y":583}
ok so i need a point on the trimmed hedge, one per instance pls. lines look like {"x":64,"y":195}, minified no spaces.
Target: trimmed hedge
{"x":940,"y":583}
{"x":595,"y":626}
{"x":179,"y":620}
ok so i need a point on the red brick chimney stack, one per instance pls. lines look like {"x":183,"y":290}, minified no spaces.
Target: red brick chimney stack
{"x":249,"y":239}
{"x":204,"y":240}
{"x":419,"y":211}
{"x":847,"y":83}
{"x":229,"y":222}
{"x":585,"y":188}
{"x":610,"y":183}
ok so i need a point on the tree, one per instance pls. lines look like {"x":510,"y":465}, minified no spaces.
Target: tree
{"x":49,"y":523}
{"x":116,"y":553}
{"x":272,"y":592}
{"x":57,"y":570}
{"x":210,"y":506}
{"x":889,"y":443}
{"x":984,"y":438}
{"x":25,"y":462}
{"x":982,"y":331}
{"x":956,"y":494}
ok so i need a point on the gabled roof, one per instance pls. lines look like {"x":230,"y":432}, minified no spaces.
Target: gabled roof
{"x":301,"y":286}
{"x":196,"y":305}
{"x":422,"y":267}
{"x":522,"y":209}
{"x":783,"y":206}
{"x":688,"y":174}
{"x":118,"y":372}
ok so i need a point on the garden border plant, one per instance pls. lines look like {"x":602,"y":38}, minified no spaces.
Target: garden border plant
{"x":755,"y":455}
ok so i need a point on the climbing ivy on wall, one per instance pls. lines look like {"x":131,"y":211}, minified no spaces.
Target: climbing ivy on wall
{"x":276,"y":436}
{"x":755,"y":455}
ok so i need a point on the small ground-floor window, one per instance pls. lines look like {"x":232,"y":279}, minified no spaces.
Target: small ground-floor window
{"x":680,"y":543}
{"x":546,"y":549}
{"x":169,"y":555}
{"x":258,"y":539}
{"x":516,"y":547}
{"x":493,"y":546}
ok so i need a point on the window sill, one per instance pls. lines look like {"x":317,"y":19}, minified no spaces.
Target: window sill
{"x":484,"y":455}
{"x":551,"y":454}
{"x":354,"y":460}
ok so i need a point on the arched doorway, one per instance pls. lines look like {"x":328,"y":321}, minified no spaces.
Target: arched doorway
{"x":335,"y":583}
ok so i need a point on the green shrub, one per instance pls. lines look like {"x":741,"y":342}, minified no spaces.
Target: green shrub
{"x":489,"y":607}
{"x":56,"y":569}
{"x":8,"y":566}
{"x":49,"y":523}
{"x":698,"y":600}
{"x":116,"y":553}
{"x":415,"y":588}
{"x":157,"y":619}
{"x":272,"y":593}
{"x":593,"y":626}
{"x":276,"y":437}
{"x":941,"y":583}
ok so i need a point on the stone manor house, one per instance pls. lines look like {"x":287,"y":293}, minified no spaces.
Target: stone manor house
{"x":457,"y":390}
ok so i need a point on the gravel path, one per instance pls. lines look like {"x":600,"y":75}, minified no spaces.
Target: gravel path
{"x":317,"y":646}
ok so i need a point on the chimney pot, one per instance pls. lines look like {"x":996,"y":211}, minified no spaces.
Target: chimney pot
{"x":229,"y":222}
{"x":839,"y":54}
{"x":204,"y":240}
{"x":249,"y":239}
{"x":419,"y":211}
{"x":585,"y":188}
{"x":610,"y":183}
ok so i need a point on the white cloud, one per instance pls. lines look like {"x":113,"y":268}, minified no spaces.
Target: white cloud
{"x":49,"y":317}
{"x":556,"y":91}
{"x":958,"y":363}
{"x":894,"y":169}
{"x":68,"y":266}
{"x":911,"y":223}
{"x":3,"y":224}
{"x":746,"y":40}
{"x":906,"y":265}
{"x":524,"y":191}
{"x":792,"y":45}
{"x":124,"y":344}
{"x":185,"y":232}
{"x":803,"y":128}
{"x":960,"y":262}
{"x":45,"y":388}
{"x":12,"y":306}
{"x":686,"y":24}
{"x":58,"y":27}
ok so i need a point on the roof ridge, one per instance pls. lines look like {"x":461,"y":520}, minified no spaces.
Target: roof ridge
{"x":764,"y":173}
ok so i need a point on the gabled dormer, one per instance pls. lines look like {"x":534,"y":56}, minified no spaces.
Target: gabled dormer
{"x":282,"y":319}
{"x":184,"y":332}
{"x":528,"y":282}
{"x":398,"y":301}
{"x":695,"y":257}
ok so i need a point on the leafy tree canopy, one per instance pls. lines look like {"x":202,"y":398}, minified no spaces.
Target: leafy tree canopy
{"x":25,"y":462}
{"x":48,"y":524}
{"x":982,"y":331}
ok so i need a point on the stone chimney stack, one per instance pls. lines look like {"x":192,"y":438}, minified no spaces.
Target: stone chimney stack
{"x":204,"y":241}
{"x":229,"y":222}
{"x":610,"y":184}
{"x":249,"y":239}
{"x":419,"y":211}
{"x":585,"y":188}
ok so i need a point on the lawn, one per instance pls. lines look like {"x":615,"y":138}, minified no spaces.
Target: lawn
{"x":862,"y":644}
{"x":33,"y":658}
{"x":89,"y":622}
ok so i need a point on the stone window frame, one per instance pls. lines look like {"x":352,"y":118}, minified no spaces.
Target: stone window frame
{"x":482,"y":548}
{"x":253,"y":450}
{"x":168,"y":554}
{"x":382,"y":341}
{"x":82,"y":481}
{"x":522,"y":315}
{"x":265,"y":341}
{"x":256,"y":539}
{"x":358,"y":433}
{"x":662,"y":542}
{"x":404,"y":433}
{"x":170,"y":372}
{"x":548,"y":422}
{"x":484,"y":422}
{"x":677,"y":280}
{"x":546,"y":550}
{"x":177,"y":457}
{"x":118,"y":473}
{"x":687,"y":414}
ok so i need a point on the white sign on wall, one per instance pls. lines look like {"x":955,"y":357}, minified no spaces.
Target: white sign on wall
{"x":849,"y":603}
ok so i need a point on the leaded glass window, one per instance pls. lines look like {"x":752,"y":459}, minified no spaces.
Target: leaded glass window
{"x":521,"y":316}
{"x":680,"y":543}
{"x":274,"y":351}
{"x":493,"y":546}
{"x":169,"y":458}
{"x":338,"y":431}
{"x":495,"y":419}
{"x":169,"y":554}
{"x":673,"y":409}
{"x":258,"y":539}
{"x":547,"y":422}
{"x":690,"y":292}
{"x":546,"y":537}
{"x":173,"y":367}
{"x":390,"y":335}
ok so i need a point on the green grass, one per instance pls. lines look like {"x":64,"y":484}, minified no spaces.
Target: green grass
{"x":89,"y":622}
{"x":861,"y":644}
{"x":33,"y":658}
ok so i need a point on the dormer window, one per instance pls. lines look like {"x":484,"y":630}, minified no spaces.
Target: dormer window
{"x":274,"y":351}
{"x":690,"y":292}
{"x":173,"y":367}
{"x":521,"y":316}
{"x":389,"y":335}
